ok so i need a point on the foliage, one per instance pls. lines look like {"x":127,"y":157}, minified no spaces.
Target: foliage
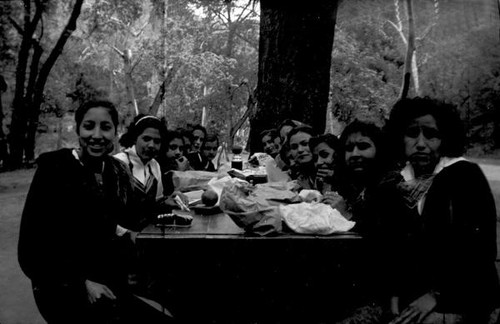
{"x":457,"y":59}
{"x":214,"y":47}
{"x":366,"y":62}
{"x":188,"y":36}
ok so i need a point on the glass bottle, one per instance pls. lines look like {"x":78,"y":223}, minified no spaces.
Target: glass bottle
{"x":237,"y":162}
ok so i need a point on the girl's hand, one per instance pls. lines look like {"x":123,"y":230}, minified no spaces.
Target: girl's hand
{"x":417,"y":311}
{"x":322,"y":172}
{"x":170,"y":201}
{"x":182,"y":164}
{"x":95,"y":291}
{"x":335,"y":200}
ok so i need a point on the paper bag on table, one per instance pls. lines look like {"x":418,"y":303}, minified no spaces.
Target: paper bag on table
{"x":249,"y":208}
{"x":188,"y":180}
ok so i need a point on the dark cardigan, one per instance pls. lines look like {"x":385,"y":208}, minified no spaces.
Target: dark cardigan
{"x":68,"y":223}
{"x":459,"y":219}
{"x":449,"y":249}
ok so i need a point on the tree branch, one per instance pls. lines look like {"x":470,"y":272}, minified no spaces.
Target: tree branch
{"x":122,"y":55}
{"x":160,"y":95}
{"x":243,"y":10}
{"x":255,"y":46}
{"x":249,"y":112}
{"x":58,"y":48}
{"x":20,"y":31}
{"x":399,"y":30}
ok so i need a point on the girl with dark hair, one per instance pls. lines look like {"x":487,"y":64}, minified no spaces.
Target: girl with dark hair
{"x":69,"y":245}
{"x":195,"y":157}
{"x":172,"y":157}
{"x":303,"y":164}
{"x":325,"y":149}
{"x":361,"y":167}
{"x":437,"y":221}
{"x":142,"y":143}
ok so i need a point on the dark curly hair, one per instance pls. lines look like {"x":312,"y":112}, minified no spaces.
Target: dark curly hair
{"x":447,"y":119}
{"x":137,"y":127}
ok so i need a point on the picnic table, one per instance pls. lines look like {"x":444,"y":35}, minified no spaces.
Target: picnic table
{"x":213,"y":271}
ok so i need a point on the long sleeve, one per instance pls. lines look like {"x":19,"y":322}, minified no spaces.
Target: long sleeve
{"x":43,"y":251}
{"x":460,"y":228}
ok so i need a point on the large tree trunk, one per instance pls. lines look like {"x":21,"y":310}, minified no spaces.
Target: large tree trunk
{"x":295,"y":50}
{"x":42,"y":80}
{"x":410,"y":49}
{"x":20,"y":112}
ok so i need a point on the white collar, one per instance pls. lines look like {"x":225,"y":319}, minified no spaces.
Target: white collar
{"x":409,"y":174}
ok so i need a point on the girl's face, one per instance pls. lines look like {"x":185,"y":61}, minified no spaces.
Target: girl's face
{"x":299,"y":148}
{"x":96,"y":132}
{"x":175,"y":149}
{"x":148,"y":144}
{"x":324,"y":155}
{"x":360,"y":152}
{"x":210,"y":150}
{"x":187,"y":145}
{"x":422,"y":140}
{"x":198,"y":139}
{"x":271,"y":146}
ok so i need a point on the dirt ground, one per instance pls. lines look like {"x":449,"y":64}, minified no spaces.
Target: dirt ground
{"x":16,"y":300}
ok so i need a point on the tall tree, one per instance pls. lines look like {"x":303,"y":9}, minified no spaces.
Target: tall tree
{"x":29,"y":97}
{"x":295,"y":50}
{"x":412,"y":43}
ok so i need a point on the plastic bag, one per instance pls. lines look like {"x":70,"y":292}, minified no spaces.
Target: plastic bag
{"x":188,"y":180}
{"x":255,"y":208}
{"x":217,"y":184}
{"x":314,"y":218}
{"x":309,"y":195}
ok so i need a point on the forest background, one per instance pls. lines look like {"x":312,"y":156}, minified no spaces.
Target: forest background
{"x":197,"y":61}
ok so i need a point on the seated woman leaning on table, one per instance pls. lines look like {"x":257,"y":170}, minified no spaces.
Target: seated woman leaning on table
{"x":142,"y":143}
{"x":325,"y":151}
{"x":362,"y":164}
{"x":172,"y":154}
{"x":303,"y":169}
{"x":68,"y":244}
{"x":437,"y":221}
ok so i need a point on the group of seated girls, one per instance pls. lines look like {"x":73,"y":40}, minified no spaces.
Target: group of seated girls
{"x":428,"y":212}
{"x":188,"y":149}
{"x":84,"y":208}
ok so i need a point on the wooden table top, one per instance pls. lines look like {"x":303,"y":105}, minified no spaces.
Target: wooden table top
{"x":221,"y":226}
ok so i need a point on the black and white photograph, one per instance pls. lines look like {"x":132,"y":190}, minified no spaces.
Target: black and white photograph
{"x":249,"y":161}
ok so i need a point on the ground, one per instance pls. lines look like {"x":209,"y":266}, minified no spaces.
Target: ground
{"x":16,"y":299}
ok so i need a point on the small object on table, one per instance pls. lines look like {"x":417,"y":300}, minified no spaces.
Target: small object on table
{"x":180,"y":203}
{"x":237,"y":162}
{"x":177,"y":218}
{"x":209,"y":198}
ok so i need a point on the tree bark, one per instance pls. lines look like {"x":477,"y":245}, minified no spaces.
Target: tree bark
{"x":20,"y":113}
{"x":251,"y":103}
{"x":295,"y":50}
{"x":410,"y":49}
{"x":3,"y":140}
{"x":160,"y":95}
{"x":43,"y":76}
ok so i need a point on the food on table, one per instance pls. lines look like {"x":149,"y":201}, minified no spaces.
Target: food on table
{"x":209,"y":198}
